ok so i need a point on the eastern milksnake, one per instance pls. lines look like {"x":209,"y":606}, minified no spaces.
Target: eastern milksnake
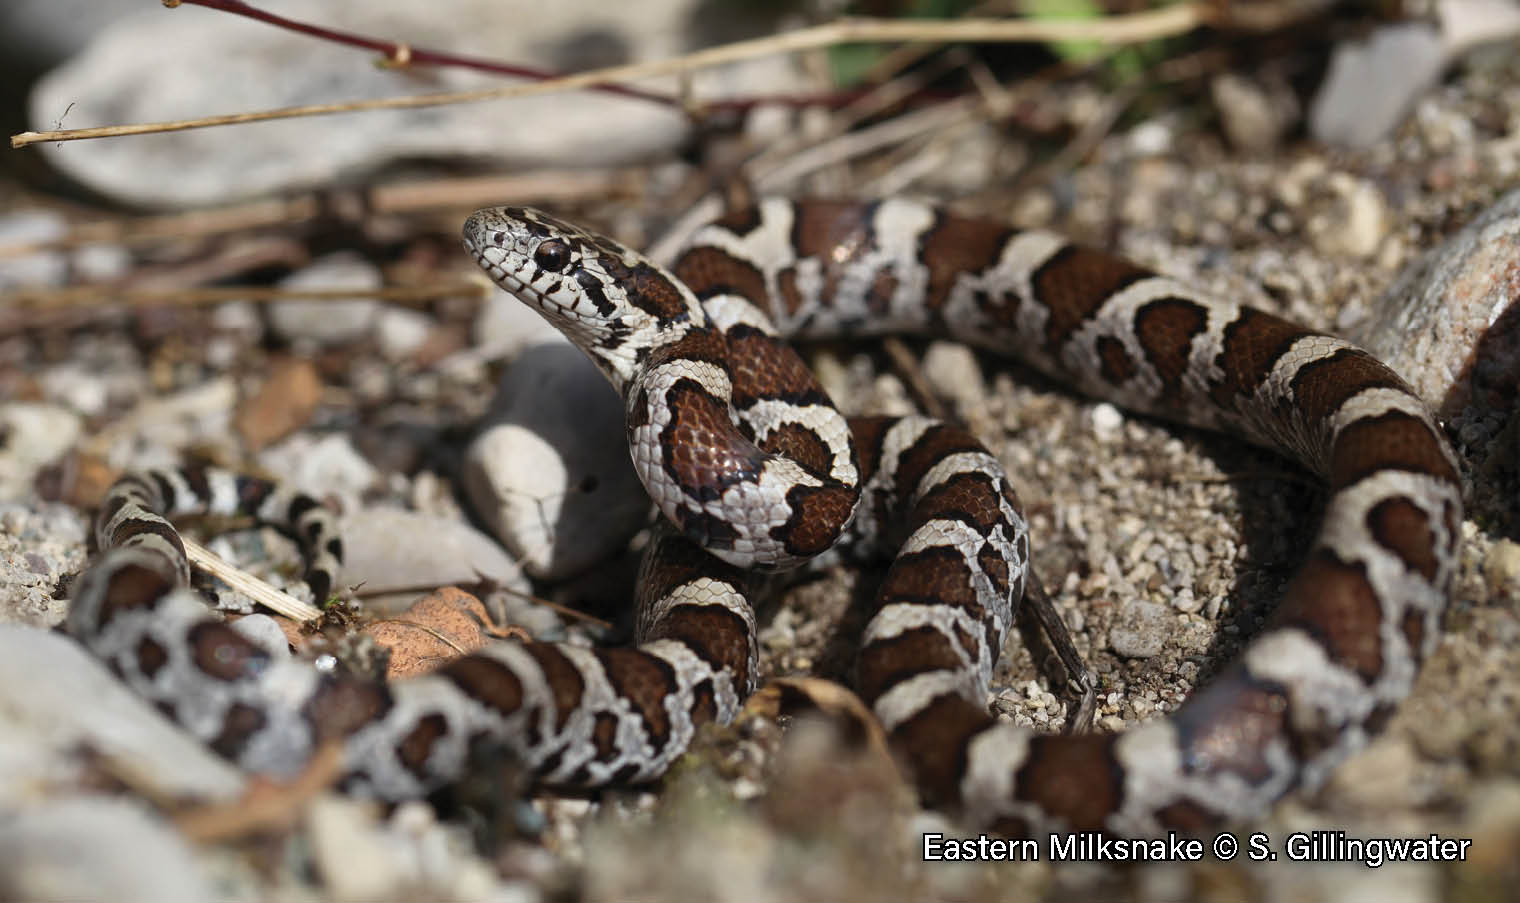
{"x":746,"y":457}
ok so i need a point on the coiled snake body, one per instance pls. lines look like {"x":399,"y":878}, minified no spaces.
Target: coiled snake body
{"x":747,"y":458}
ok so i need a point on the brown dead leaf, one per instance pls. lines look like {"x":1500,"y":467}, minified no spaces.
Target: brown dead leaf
{"x":437,"y":628}
{"x":284,"y":404}
{"x":789,"y":695}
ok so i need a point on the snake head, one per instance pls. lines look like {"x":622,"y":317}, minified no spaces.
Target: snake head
{"x":605,"y":297}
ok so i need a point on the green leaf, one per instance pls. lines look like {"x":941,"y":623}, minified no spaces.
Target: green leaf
{"x":1068,"y":10}
{"x":848,"y":62}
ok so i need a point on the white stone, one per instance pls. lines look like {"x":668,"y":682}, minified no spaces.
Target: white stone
{"x":505,"y":327}
{"x":391,"y":549}
{"x":1360,"y":221}
{"x":953,"y":371}
{"x":1151,"y":138}
{"x":1247,"y":112}
{"x":37,"y":269}
{"x":101,"y":263}
{"x":1107,"y":421}
{"x":321,"y":466}
{"x":77,"y":385}
{"x":550,"y":471}
{"x":1371,"y":84}
{"x":328,"y":321}
{"x":401,"y":332}
{"x":32,"y":435}
{"x":1501,"y":567}
{"x":352,"y":853}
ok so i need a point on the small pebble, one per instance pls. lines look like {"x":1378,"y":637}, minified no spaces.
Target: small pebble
{"x":41,"y":269}
{"x":1107,"y":421}
{"x":328,"y":321}
{"x":1141,"y":631}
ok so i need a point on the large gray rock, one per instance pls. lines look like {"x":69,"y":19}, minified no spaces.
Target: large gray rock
{"x":188,"y":62}
{"x":1450,"y":324}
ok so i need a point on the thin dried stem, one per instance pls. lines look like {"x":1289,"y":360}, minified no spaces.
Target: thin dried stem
{"x":176,"y":225}
{"x":543,"y":186}
{"x":101,"y":295}
{"x":856,"y":144}
{"x":1128,"y":29}
{"x":275,"y":600}
{"x":268,"y":807}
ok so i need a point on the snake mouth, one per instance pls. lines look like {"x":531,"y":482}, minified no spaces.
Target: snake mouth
{"x":559,"y":314}
{"x":491,"y":247}
{"x":499,"y":274}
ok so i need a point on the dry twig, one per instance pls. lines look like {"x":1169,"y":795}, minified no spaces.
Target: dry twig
{"x":1127,"y":29}
{"x":267,"y":806}
{"x":94,"y":295}
{"x":280,"y":602}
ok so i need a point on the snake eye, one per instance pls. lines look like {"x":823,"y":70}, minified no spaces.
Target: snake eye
{"x":552,"y":255}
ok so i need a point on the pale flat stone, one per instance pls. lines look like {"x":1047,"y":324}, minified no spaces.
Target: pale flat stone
{"x":550,"y":472}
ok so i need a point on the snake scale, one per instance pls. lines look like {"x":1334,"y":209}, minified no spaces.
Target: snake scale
{"x":748,"y":459}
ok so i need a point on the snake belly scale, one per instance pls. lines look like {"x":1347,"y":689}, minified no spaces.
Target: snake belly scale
{"x":754,"y":469}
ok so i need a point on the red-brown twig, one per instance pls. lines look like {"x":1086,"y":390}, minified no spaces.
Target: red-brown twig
{"x":399,"y":54}
{"x":402,"y":54}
